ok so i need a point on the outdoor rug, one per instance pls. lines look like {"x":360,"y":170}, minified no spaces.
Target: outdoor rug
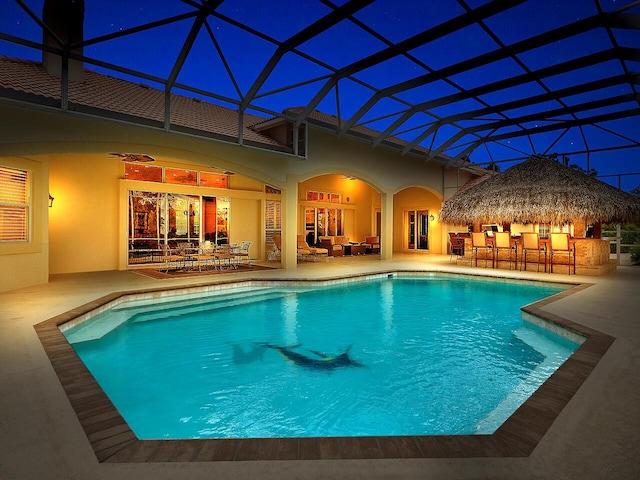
{"x":160,"y":275}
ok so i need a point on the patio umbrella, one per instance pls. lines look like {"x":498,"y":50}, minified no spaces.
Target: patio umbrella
{"x":540,"y":190}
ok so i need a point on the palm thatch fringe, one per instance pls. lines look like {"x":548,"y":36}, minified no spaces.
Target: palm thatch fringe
{"x":540,"y":190}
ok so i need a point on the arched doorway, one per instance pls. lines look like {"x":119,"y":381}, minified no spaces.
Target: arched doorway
{"x":416,"y":226}
{"x":338,"y":205}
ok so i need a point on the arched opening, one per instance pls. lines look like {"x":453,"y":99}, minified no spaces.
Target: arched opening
{"x":338,"y":205}
{"x":416,"y":226}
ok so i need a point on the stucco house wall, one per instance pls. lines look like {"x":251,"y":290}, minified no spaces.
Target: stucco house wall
{"x":27,"y":263}
{"x":86,"y":228}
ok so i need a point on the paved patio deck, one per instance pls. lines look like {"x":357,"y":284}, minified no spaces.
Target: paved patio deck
{"x":596,"y":435}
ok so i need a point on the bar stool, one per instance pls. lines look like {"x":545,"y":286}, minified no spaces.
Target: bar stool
{"x":560,"y":246}
{"x":502,"y":241}
{"x":479,"y":242}
{"x":531,"y":243}
{"x":456,"y":244}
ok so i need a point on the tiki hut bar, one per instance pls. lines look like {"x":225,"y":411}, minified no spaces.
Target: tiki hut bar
{"x":543,"y":197}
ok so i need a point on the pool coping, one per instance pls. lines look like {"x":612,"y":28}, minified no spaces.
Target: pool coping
{"x":114,"y":442}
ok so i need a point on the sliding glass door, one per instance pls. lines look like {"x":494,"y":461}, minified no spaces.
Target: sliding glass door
{"x":168,"y":218}
{"x":182,"y":217}
{"x":323,"y":221}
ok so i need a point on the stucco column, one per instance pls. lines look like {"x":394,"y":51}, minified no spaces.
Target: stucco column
{"x":288,"y":256}
{"x":386,"y":225}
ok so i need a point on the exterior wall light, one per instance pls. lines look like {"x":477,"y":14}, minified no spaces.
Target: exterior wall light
{"x":50,"y":201}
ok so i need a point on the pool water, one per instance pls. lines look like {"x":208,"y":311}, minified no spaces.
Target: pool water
{"x":397,"y":356}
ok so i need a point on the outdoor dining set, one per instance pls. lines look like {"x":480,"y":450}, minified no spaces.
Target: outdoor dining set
{"x":189,"y":256}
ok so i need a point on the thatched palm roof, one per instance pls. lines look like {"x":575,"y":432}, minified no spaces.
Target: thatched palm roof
{"x":540,"y":190}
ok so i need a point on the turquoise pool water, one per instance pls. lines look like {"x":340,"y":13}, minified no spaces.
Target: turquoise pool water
{"x":397,"y":356}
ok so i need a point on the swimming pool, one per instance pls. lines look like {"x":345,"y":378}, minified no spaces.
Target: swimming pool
{"x":271,"y":358}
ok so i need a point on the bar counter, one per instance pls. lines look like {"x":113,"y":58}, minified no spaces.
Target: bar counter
{"x":592,"y":257}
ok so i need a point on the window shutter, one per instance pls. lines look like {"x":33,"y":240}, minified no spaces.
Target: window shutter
{"x":14,"y":205}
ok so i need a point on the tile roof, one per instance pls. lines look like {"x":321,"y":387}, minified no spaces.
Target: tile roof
{"x":109,"y":96}
{"x":25,"y":79}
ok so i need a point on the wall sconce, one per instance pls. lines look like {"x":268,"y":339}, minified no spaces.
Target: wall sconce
{"x":50,"y":201}
{"x":432,"y":217}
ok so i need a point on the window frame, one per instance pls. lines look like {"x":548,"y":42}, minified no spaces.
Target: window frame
{"x":167,"y":174}
{"x":25,"y":207}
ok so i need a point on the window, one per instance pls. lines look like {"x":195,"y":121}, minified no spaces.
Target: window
{"x":213,"y":180}
{"x":14,"y":205}
{"x":145,"y":173}
{"x":324,"y":221}
{"x":157,"y":218}
{"x":181,"y":177}
{"x":544,"y":229}
{"x":178,"y":176}
{"x":324,"y":197}
{"x":272,"y":219}
{"x":223,"y":206}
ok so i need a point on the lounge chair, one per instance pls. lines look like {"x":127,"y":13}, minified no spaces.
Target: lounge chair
{"x":311,"y":251}
{"x":276,"y":251}
{"x":302,"y":252}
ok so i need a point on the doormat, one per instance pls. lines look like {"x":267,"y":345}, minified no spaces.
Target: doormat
{"x":181,"y":273}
